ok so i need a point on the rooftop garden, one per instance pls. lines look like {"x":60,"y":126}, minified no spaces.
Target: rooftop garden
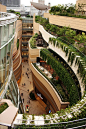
{"x":68,"y":10}
{"x":3,"y":106}
{"x":66,"y":33}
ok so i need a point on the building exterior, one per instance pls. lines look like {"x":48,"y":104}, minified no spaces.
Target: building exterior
{"x":10,"y":3}
{"x":8,"y":51}
{"x":81,"y":7}
{"x":8,"y":84}
{"x":3,"y":8}
{"x":42,"y":85}
{"x":27,"y":32}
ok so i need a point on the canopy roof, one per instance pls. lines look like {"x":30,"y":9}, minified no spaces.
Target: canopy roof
{"x":40,"y":6}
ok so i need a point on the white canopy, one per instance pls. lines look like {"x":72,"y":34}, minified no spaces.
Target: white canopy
{"x":40,"y":6}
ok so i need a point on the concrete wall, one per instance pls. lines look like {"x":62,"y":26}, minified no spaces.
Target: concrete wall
{"x":17,"y":62}
{"x":2,"y":8}
{"x":72,"y":22}
{"x":33,"y":54}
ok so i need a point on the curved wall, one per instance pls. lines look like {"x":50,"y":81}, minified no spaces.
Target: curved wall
{"x":7,"y":34}
{"x":47,"y":90}
{"x":17,"y":62}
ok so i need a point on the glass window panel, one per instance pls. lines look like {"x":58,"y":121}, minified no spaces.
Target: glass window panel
{"x":3,"y":53}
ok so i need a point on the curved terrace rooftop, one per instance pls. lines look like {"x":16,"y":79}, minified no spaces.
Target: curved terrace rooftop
{"x":7,"y":18}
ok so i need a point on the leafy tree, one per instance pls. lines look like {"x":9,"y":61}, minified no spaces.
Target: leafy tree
{"x":18,"y":13}
{"x":12,"y":11}
{"x":80,"y":38}
{"x":67,"y":8}
{"x":71,"y":8}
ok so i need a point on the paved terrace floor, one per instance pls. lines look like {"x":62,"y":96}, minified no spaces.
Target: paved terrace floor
{"x":37,"y":107}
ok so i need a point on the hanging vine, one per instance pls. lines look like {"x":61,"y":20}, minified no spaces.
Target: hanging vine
{"x":66,"y":51}
{"x":72,"y":57}
{"x":76,"y":62}
{"x":54,"y":42}
{"x":69,"y":57}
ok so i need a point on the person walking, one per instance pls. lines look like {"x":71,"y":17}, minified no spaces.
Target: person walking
{"x":29,"y":100}
{"x":23,"y":100}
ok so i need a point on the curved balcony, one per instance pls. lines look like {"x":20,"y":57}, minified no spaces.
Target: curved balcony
{"x":58,"y":50}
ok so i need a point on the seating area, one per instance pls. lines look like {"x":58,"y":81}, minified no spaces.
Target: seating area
{"x":47,"y":70}
{"x":40,"y":41}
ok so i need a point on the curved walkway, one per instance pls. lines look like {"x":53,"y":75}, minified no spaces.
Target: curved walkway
{"x":35,"y":107}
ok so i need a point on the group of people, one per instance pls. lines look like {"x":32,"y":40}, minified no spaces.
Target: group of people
{"x":27,"y":75}
{"x":24,"y":84}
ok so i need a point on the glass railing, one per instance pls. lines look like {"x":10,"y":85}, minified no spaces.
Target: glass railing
{"x":76,"y":124}
{"x":48,"y":80}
